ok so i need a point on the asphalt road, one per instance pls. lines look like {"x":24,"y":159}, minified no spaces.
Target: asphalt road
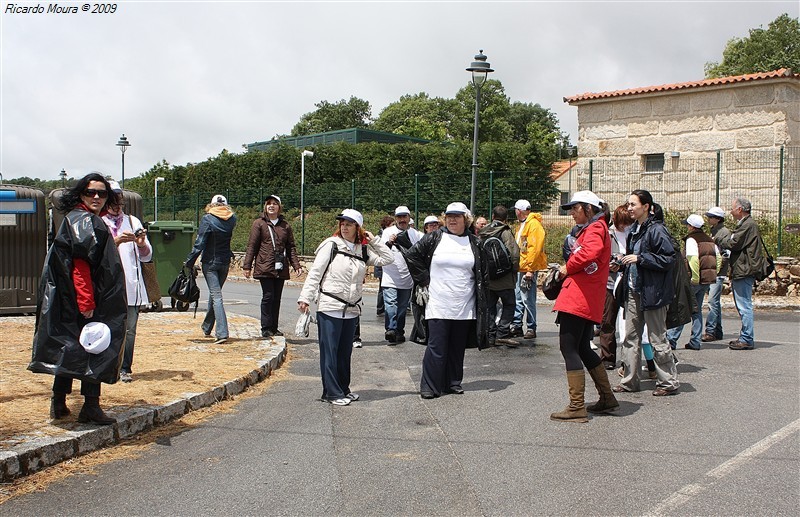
{"x":726,"y":445}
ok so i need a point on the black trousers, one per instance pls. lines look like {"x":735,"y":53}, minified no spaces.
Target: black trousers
{"x":443,"y":362}
{"x":509,"y":301}
{"x":574,"y":335}
{"x":271,"y":291}
{"x":63,"y":384}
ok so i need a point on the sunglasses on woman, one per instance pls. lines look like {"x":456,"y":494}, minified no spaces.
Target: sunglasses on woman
{"x":90,"y":192}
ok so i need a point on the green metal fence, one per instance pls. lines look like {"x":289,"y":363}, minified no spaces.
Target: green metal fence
{"x":423,"y":194}
{"x":769,"y":178}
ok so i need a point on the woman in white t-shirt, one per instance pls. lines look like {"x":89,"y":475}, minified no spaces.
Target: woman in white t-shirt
{"x":448,"y":262}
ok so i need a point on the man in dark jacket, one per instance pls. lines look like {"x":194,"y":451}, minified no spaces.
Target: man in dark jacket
{"x":746,"y":261}
{"x":716,"y":220}
{"x":502,"y":288}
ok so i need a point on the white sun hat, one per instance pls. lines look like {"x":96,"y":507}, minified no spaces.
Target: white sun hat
{"x":95,"y":337}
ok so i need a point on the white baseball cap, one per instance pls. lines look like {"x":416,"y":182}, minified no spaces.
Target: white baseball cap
{"x":694,"y":220}
{"x":716,"y":211}
{"x":456,"y":208}
{"x":522,"y":204}
{"x":219,"y":199}
{"x":402,"y":210}
{"x":348,"y":214}
{"x":115,"y":186}
{"x":95,"y":337}
{"x":273,"y":196}
{"x":583,"y":196}
{"x":430,"y":219}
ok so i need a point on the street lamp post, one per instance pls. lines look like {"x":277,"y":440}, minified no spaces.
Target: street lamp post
{"x":123,"y":145}
{"x":302,"y":199}
{"x":63,"y":176}
{"x":158,"y":179}
{"x":480,"y":70}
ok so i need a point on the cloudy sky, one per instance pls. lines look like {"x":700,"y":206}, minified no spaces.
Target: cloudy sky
{"x":185,"y":79}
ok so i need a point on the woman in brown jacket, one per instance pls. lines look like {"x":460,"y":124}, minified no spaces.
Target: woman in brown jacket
{"x":271,"y":245}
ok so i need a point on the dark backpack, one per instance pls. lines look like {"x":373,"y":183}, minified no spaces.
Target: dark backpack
{"x":497,"y":257}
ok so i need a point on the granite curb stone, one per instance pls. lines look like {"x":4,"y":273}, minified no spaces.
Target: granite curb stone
{"x":38,"y":452}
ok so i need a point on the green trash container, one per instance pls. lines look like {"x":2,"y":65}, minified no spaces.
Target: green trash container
{"x":172,"y":241}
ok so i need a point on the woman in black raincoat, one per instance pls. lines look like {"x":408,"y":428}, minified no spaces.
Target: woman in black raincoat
{"x":448,"y":263}
{"x":82,"y":281}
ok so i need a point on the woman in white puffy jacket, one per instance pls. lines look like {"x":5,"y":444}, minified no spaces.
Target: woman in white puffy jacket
{"x":335,"y":281}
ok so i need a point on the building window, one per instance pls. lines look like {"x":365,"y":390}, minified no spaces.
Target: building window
{"x":564,"y":201}
{"x":653,"y":163}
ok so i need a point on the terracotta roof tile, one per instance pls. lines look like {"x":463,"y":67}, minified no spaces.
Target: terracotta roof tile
{"x":776,"y":74}
{"x":560,"y":168}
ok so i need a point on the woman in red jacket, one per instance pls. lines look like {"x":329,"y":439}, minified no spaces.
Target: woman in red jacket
{"x":580,"y":306}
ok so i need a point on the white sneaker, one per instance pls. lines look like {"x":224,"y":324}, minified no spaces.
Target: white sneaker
{"x":353,"y":396}
{"x":357,"y":343}
{"x":341,"y":402}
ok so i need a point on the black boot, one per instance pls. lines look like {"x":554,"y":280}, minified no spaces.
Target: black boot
{"x":92,"y":414}
{"x":58,"y":405}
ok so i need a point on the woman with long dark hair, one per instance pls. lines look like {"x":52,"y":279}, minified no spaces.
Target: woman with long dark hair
{"x":81,"y":308}
{"x":648,"y":290}
{"x":580,"y":306}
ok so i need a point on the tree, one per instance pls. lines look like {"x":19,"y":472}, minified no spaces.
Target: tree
{"x":417,"y":115}
{"x":495,"y":109}
{"x":763,"y":51}
{"x":524,"y":116}
{"x":353,"y":113}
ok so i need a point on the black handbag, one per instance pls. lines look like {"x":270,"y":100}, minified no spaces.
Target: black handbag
{"x":552,"y":284}
{"x":769,"y":264}
{"x":184,"y":288}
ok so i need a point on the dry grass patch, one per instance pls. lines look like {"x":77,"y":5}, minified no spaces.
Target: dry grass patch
{"x":172,"y":359}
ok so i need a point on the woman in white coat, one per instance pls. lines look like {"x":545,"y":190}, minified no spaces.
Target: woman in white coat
{"x":134,"y":248}
{"x":335,"y":281}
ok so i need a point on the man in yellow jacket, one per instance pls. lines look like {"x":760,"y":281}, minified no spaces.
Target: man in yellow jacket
{"x":532,"y":258}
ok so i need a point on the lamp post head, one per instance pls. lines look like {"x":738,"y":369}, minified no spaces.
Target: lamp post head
{"x":480,"y":69}
{"x":159,"y":179}
{"x":123,"y":143}
{"x":308,"y":153}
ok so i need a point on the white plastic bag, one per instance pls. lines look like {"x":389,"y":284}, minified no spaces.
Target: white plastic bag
{"x":304,"y":323}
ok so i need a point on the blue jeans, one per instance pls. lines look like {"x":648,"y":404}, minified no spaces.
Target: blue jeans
{"x":130,"y":337}
{"x":335,"y":349}
{"x":215,"y":275}
{"x":714,"y":318}
{"x":530,"y":301}
{"x":673,"y":334}
{"x":743,"y":298}
{"x":396,"y":305}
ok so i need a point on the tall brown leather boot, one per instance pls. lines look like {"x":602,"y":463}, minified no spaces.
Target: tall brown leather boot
{"x":608,"y":402}
{"x":58,"y":405}
{"x":575,"y":411}
{"x":92,"y":414}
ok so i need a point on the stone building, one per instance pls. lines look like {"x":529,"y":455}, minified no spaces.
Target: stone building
{"x":694,"y":144}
